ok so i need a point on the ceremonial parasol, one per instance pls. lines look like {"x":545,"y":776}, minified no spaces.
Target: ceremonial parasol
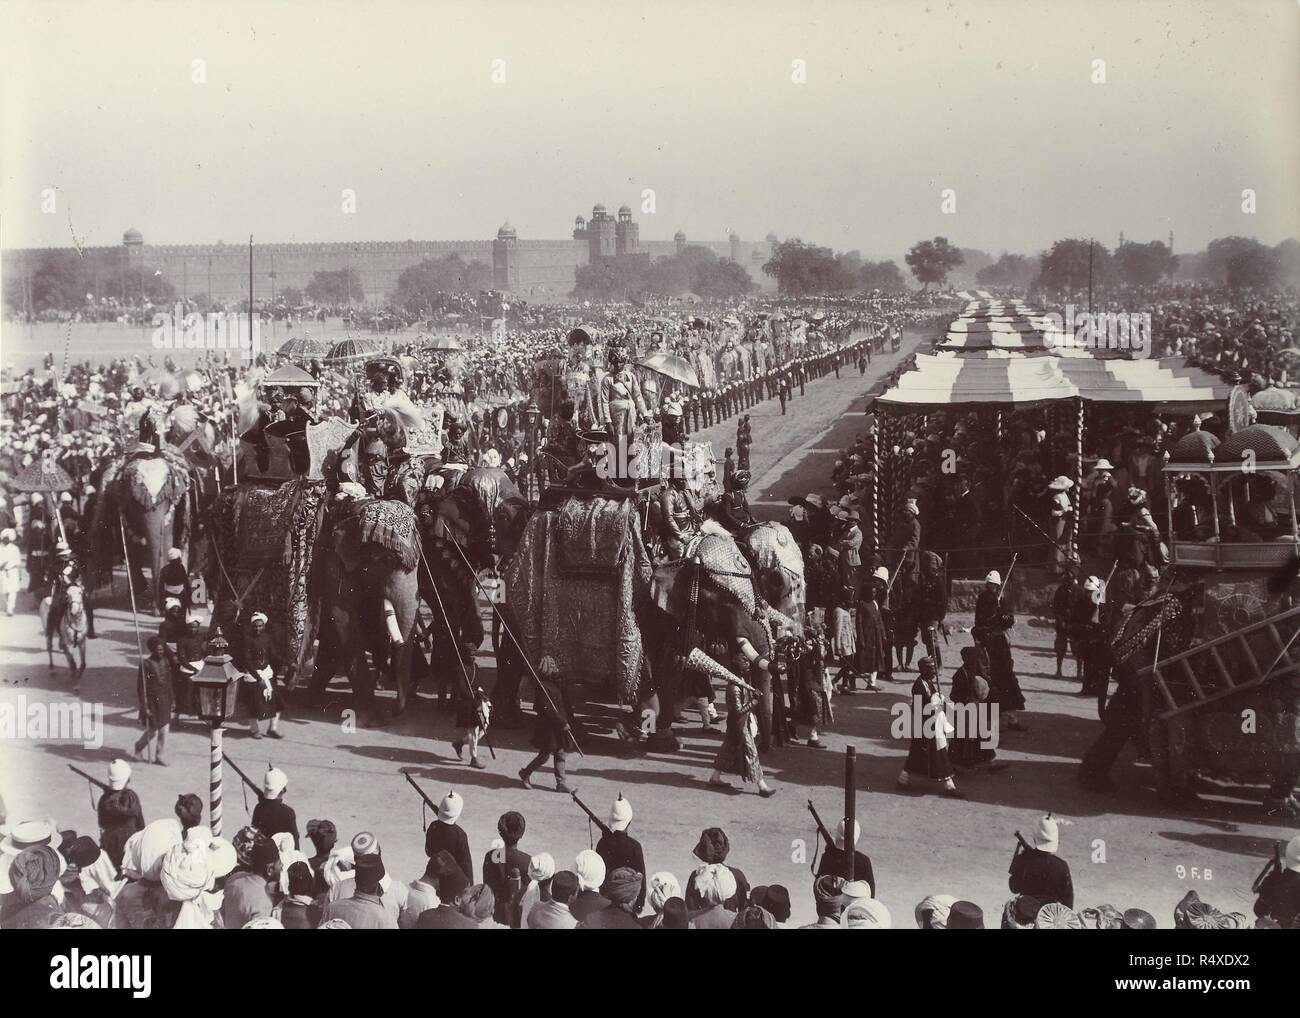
{"x":45,"y":477}
{"x":347,"y":351}
{"x":672,"y":366}
{"x":303,"y":348}
{"x":443,"y":344}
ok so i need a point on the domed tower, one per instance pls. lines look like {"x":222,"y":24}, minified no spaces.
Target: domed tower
{"x":679,"y":240}
{"x":601,"y":234}
{"x":772,"y":239}
{"x":733,"y":241}
{"x":505,"y":264}
{"x":627,"y":234}
{"x":579,"y":228}
{"x":133,"y":238}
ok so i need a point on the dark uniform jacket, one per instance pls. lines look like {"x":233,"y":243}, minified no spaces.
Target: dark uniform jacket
{"x":441,"y":836}
{"x":1279,"y":899}
{"x":619,"y":849}
{"x":835,"y":861}
{"x":274,"y":816}
{"x":1042,"y":875}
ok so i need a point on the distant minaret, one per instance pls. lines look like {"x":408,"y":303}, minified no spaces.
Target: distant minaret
{"x":1121,"y":238}
{"x":1171,"y":241}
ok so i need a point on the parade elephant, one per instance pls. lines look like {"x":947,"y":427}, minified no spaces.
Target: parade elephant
{"x":716,"y":600}
{"x":156,"y":499}
{"x":344,"y":570}
{"x":482,"y":511}
{"x":778,"y":569}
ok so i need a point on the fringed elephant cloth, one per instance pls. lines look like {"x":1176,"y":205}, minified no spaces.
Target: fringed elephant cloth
{"x":575,"y":583}
{"x":264,"y":544}
{"x":384,"y":523}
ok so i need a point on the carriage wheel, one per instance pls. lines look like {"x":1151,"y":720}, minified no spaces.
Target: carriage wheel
{"x":1236,"y":611}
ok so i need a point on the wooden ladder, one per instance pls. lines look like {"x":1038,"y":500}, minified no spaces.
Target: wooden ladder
{"x":1267,"y":650}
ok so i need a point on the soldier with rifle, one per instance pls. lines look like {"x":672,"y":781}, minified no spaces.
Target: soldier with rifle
{"x":1278,"y":887}
{"x":992,"y":621}
{"x":835,"y":860}
{"x":1037,"y":870}
{"x":618,"y":848}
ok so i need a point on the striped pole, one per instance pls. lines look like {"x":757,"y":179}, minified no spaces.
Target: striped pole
{"x":214,"y":783}
{"x":1078,"y":484}
{"x":875,"y":484}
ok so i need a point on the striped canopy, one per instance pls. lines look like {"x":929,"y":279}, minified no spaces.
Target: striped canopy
{"x":997,"y":325}
{"x":998,"y":378}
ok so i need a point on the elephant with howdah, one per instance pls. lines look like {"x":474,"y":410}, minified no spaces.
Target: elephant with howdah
{"x":156,"y":498}
{"x":344,"y":569}
{"x":582,"y":589}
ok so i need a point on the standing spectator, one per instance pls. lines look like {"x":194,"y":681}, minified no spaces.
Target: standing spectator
{"x":10,"y":561}
{"x":155,"y":704}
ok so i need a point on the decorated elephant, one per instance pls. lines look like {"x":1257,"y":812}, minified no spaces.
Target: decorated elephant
{"x":345,"y":570}
{"x":157,"y":498}
{"x":583,"y":590}
{"x":481,"y":510}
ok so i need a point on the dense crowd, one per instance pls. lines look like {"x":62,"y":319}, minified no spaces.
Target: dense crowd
{"x":172,"y":872}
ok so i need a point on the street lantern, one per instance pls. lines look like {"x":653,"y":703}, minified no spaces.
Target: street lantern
{"x":533,"y":415}
{"x":212,"y":692}
{"x":216,"y":706}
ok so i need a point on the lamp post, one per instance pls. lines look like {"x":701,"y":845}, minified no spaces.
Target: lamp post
{"x":215,"y":704}
{"x":533,"y":415}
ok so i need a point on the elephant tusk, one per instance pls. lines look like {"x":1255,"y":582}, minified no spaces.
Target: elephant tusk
{"x":699,"y":661}
{"x":390,"y":619}
{"x":751,"y":654}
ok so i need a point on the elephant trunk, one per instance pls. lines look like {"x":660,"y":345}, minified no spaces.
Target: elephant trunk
{"x":390,"y":620}
{"x":780,"y":620}
{"x":699,"y":661}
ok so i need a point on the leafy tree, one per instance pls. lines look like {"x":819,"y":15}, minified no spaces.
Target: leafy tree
{"x":1288,"y":255}
{"x":1258,"y":268}
{"x":336,"y":286}
{"x":722,"y":278}
{"x":1222,"y":250}
{"x":1065,"y":266}
{"x":883,"y":276}
{"x":932,"y":260}
{"x":1010,"y":270}
{"x":291,"y":296}
{"x":1144,"y":264}
{"x":610,"y":279}
{"x":801,"y":268}
{"x":424,"y":285}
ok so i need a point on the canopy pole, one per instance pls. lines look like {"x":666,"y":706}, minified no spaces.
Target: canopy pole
{"x":1075,"y":550}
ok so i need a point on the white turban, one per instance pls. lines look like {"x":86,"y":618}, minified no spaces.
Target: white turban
{"x":185,"y":876}
{"x":715,"y":883}
{"x":142,"y":858}
{"x":662,"y":886}
{"x":591,"y":870}
{"x":866,"y":914}
{"x":937,"y":907}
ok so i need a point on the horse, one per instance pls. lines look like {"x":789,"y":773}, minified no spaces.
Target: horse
{"x":72,"y":630}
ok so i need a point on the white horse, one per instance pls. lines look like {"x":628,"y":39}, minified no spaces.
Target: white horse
{"x":72,"y":630}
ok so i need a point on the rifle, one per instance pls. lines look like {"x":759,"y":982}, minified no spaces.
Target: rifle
{"x":102,"y":786}
{"x":1021,"y":846}
{"x":1007,"y":579}
{"x":247,"y":780}
{"x":821,"y":827}
{"x":420,"y":792}
{"x":604,"y":830}
{"x":1274,"y":865}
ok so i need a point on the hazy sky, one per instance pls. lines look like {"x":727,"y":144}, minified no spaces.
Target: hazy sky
{"x":691,"y":98}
